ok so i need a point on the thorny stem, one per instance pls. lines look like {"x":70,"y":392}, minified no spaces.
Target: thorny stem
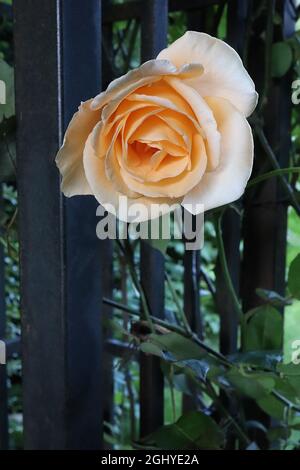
{"x":271,"y":174}
{"x":176,"y":329}
{"x":195,"y":339}
{"x":284,"y":400}
{"x":129,"y":257}
{"x":178,"y":306}
{"x":171,"y":385}
{"x":224,"y":266}
{"x":208,"y":282}
{"x":227,"y":277}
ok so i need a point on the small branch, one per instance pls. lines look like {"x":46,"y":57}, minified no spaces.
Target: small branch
{"x":127,"y":252}
{"x":177,"y":303}
{"x":285,"y":401}
{"x":119,"y":306}
{"x":224,"y":265}
{"x":171,"y":327}
{"x":208,"y":282}
{"x":271,"y":174}
{"x":273,"y":160}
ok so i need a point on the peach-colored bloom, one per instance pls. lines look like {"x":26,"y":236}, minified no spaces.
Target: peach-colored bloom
{"x":173,"y":130}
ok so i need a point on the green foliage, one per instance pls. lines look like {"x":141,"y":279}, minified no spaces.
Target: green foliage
{"x":294,"y":278}
{"x":7,"y":150}
{"x":264,"y":329}
{"x":281,"y":59}
{"x":192,"y":431}
{"x":7,"y":110}
{"x":273,"y":298}
{"x":255,"y":385}
{"x":179,"y":346}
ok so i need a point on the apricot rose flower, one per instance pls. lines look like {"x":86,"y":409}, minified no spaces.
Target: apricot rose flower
{"x":172,"y":130}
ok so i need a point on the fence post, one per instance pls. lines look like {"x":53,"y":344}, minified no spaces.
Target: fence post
{"x":3,"y":376}
{"x":231,"y":224}
{"x":108,"y":74}
{"x":57,"y":58}
{"x":265,"y":221}
{"x":154,"y":38}
{"x":265,"y":218}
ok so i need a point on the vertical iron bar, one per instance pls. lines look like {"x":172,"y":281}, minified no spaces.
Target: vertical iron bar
{"x":81,"y":79}
{"x":196,"y":21}
{"x":236,"y":27}
{"x":108,"y":67}
{"x":265,"y":221}
{"x":57,"y":66}
{"x":154,"y":38}
{"x":265,"y":218}
{"x":40,"y":224}
{"x":3,"y":376}
{"x":108,"y":74}
{"x":191,"y":263}
{"x":154,"y":28}
{"x":191,"y":281}
{"x":107,"y":313}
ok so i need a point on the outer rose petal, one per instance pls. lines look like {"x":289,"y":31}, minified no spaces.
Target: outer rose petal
{"x":149,"y":72}
{"x":104,"y":190}
{"x":205,"y":118}
{"x":70,"y":156}
{"x":227,"y":183}
{"x":224,"y":74}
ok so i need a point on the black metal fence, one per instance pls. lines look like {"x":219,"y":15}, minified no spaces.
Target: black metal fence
{"x":65,"y":269}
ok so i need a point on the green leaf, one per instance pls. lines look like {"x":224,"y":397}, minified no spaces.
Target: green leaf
{"x":281,"y":59}
{"x":264,"y":330}
{"x":182,"y":348}
{"x":253,"y":385}
{"x":262,"y":359}
{"x":291,"y":374}
{"x":7,"y":110}
{"x":7,"y":150}
{"x":294,"y":277}
{"x":273,"y":298}
{"x":150,"y":348}
{"x":199,"y":368}
{"x":192,"y":431}
{"x":289,"y":369}
{"x":273,"y":407}
{"x":277,"y":408}
{"x":181,"y":353}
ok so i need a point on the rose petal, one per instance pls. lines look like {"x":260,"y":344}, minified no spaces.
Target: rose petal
{"x":180,"y":123}
{"x":155,"y":130}
{"x":205,"y":118}
{"x":227,"y":183}
{"x":149,"y":72}
{"x":179,"y":185}
{"x":112,"y":167}
{"x":70,"y":155}
{"x":224,"y":74}
{"x":167,"y":104}
{"x":106,"y":194}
